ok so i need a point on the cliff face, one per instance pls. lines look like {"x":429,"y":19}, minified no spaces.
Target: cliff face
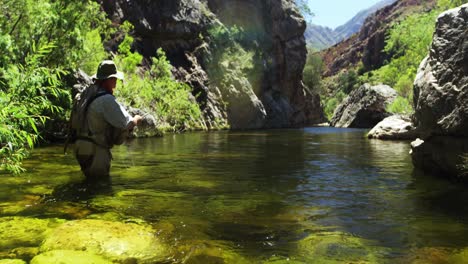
{"x":366,"y":46}
{"x":441,"y":97}
{"x":272,"y":97}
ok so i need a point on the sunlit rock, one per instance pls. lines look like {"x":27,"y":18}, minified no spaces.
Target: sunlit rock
{"x":441,"y":97}
{"x":25,"y":232}
{"x":116,"y":241}
{"x":69,"y":257}
{"x":364,"y":107}
{"x":394,"y":127}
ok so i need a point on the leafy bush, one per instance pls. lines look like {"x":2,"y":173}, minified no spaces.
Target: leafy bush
{"x":156,"y":91}
{"x":331,"y":103}
{"x":40,"y":41}
{"x":401,"y":105}
{"x":312,"y":74}
{"x":408,"y":43}
{"x":26,"y":96}
{"x":448,"y":4}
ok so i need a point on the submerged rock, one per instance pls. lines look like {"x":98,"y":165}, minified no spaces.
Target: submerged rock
{"x":394,"y":127}
{"x":120,"y":242}
{"x":364,"y":107}
{"x":338,"y":247}
{"x":24,"y":232}
{"x":69,"y":257}
{"x":12,"y":261}
{"x":441,"y":97}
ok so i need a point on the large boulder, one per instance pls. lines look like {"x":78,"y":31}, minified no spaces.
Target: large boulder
{"x":364,"y":107}
{"x":441,"y":96}
{"x":25,"y":232}
{"x":119,"y":242}
{"x":395,"y":127}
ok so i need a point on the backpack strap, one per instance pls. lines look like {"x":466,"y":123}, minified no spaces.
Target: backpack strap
{"x":99,"y":94}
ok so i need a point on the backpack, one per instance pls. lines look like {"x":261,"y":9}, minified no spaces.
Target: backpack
{"x":78,"y":125}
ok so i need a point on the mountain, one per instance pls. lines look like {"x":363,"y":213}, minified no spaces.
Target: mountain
{"x":354,"y":25}
{"x":321,"y":37}
{"x":366,"y":46}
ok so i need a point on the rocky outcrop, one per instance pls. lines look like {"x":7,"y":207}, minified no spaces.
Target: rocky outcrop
{"x":273,"y":95}
{"x":366,"y":46}
{"x":395,"y":127}
{"x":441,"y":97}
{"x":364,"y":107}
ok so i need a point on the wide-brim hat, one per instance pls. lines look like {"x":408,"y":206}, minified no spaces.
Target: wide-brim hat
{"x":107,"y":70}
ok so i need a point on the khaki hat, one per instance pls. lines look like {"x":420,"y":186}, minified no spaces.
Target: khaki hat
{"x":107,"y":70}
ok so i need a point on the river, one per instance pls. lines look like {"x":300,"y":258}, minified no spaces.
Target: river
{"x":313,"y":195}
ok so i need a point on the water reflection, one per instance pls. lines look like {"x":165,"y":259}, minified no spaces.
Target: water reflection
{"x":257,"y":195}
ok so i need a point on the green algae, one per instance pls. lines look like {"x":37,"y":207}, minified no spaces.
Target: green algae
{"x":69,"y":257}
{"x":213,"y":252}
{"x":114,"y":240}
{"x":460,"y":257}
{"x":25,"y":232}
{"x":337,"y":247}
{"x":12,"y":261}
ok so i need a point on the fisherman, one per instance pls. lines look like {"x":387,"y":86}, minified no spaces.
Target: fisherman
{"x":108,"y":124}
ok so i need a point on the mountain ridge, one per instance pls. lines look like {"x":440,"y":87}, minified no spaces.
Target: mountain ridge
{"x":321,"y":37}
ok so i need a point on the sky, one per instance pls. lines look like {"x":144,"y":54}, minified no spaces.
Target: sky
{"x":334,"y":13}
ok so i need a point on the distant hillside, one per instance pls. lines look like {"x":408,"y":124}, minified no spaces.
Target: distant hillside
{"x":320,"y":37}
{"x":366,"y":46}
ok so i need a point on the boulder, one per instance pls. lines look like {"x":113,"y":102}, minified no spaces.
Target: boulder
{"x":338,"y":247}
{"x":397,"y":127}
{"x":364,"y":107}
{"x":441,"y":97}
{"x":440,"y":155}
{"x":119,"y":242}
{"x":24,"y":232}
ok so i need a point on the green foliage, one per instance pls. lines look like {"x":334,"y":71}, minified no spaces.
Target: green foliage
{"x":348,"y":80}
{"x":230,"y":60}
{"x":448,"y":4}
{"x":40,"y":41}
{"x":408,"y":43}
{"x":331,"y":103}
{"x":93,"y":52}
{"x":129,"y":60}
{"x":26,"y":106}
{"x":401,"y":105}
{"x":312,"y":74}
{"x":170,"y":100}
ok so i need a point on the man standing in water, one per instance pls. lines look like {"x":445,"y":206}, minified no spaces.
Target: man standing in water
{"x":108,"y":124}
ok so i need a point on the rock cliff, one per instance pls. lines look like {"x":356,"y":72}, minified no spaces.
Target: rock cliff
{"x":271,"y":95}
{"x":441,"y":97}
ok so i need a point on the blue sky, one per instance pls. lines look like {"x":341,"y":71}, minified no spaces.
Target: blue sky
{"x":334,"y":13}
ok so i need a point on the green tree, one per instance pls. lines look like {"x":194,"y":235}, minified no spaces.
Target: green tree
{"x":40,"y":41}
{"x":312,"y":74}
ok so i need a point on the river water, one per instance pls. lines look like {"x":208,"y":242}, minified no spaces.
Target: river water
{"x":313,"y":195}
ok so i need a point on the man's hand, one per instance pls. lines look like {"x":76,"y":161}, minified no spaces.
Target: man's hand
{"x":137,"y":120}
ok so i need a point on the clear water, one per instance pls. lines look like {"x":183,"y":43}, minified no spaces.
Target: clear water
{"x":314,"y":195}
